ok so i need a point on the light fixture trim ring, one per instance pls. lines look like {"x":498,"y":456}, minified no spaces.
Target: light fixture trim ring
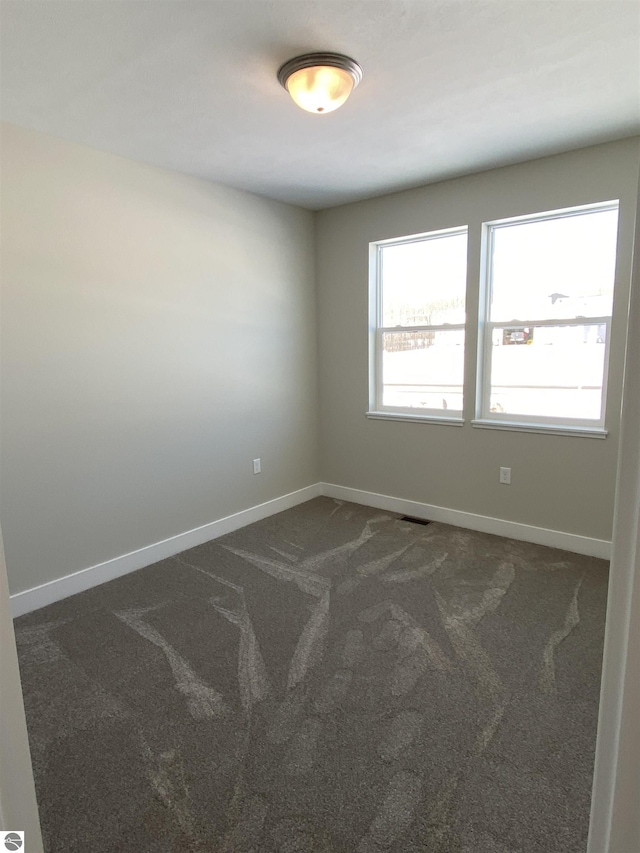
{"x":310,"y":60}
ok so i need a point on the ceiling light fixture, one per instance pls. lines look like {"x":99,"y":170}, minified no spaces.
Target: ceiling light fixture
{"x":320,"y":82}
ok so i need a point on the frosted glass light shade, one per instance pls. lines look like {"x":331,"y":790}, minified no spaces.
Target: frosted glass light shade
{"x":320,"y":89}
{"x":320,"y":82}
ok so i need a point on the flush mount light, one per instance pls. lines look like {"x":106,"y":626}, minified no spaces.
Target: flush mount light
{"x":320,"y":82}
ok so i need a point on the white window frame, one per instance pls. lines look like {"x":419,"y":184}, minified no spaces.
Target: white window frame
{"x":533,"y":423}
{"x":377,"y":330}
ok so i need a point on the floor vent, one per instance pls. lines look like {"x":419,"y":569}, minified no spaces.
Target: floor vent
{"x":415,"y":520}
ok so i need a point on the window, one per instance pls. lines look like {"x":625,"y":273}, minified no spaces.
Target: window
{"x":417,"y":305}
{"x":546,"y":318}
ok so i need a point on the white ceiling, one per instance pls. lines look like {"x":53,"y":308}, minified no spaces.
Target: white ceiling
{"x":450,"y":86}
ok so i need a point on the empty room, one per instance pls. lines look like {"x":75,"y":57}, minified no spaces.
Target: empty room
{"x":319,"y":460}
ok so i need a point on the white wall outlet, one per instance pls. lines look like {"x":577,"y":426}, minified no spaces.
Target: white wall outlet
{"x":257,"y":466}
{"x":505,"y":476}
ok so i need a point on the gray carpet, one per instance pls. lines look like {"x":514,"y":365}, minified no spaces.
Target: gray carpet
{"x":329,"y":680}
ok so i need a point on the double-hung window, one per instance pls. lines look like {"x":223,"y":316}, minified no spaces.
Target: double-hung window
{"x":545,"y":319}
{"x":417,"y":320}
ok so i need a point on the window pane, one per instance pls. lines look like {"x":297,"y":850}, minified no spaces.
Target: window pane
{"x":423,"y":370}
{"x":424,"y":283}
{"x":556,"y":371}
{"x":554,"y":268}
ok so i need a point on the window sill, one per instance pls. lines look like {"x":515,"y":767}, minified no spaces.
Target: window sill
{"x":418,"y":419}
{"x":544,"y":429}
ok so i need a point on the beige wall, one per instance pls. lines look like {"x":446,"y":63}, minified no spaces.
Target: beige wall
{"x":158,"y":333}
{"x":559,"y":482}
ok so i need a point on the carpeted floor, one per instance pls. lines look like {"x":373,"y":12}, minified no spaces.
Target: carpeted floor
{"x":330,"y":680}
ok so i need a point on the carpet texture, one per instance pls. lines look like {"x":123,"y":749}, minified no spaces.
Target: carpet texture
{"x":329,"y":680}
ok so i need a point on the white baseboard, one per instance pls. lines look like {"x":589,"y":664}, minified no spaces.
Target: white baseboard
{"x":40,"y":596}
{"x":482,"y":523}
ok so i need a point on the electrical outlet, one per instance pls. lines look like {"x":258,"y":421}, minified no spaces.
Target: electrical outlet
{"x":257,"y":467}
{"x":505,"y":476}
